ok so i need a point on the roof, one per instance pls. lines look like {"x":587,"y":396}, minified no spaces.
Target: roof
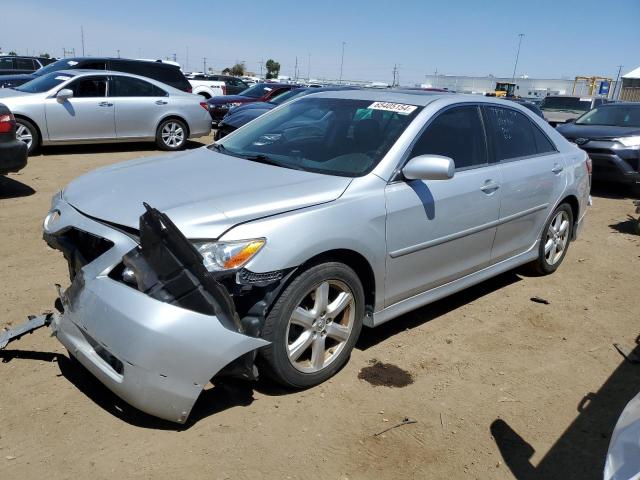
{"x":632,"y":74}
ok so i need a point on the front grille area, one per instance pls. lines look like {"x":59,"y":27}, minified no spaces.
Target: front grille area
{"x":78,"y":247}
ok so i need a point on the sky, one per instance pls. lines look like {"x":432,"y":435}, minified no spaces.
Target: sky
{"x":562,"y":38}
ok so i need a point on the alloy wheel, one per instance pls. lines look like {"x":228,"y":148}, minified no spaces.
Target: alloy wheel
{"x":320,"y":326}
{"x":557,"y":238}
{"x":172,"y":134}
{"x":24,"y":135}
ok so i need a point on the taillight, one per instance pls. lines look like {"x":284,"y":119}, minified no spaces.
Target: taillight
{"x":204,"y":105}
{"x":224,"y":89}
{"x":7,"y":123}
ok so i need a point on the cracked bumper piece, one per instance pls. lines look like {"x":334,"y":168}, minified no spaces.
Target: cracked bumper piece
{"x":156,"y":356}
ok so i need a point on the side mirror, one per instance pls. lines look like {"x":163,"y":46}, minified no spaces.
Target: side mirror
{"x":570,"y":120}
{"x":64,"y":94}
{"x":429,"y":167}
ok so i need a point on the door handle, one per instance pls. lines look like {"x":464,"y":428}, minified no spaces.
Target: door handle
{"x":105,"y":104}
{"x":489,"y":187}
{"x":557,"y":169}
{"x":161,"y":102}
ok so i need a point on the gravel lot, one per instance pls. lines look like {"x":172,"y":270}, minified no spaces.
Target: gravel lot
{"x":499,"y":386}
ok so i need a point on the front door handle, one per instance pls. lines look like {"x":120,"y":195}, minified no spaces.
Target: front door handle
{"x":557,"y":168}
{"x":161,"y":102}
{"x":489,"y":187}
{"x":105,"y":104}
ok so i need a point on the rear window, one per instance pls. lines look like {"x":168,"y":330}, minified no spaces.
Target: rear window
{"x":134,"y":87}
{"x":566,"y":103}
{"x":257,"y":90}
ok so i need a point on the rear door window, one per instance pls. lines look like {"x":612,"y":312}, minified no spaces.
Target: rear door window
{"x":6,"y":63}
{"x":24,"y":64}
{"x":456,"y":133}
{"x":511,"y":134}
{"x":133,"y":87}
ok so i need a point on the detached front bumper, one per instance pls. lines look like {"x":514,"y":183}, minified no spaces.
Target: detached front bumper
{"x":154,"y":355}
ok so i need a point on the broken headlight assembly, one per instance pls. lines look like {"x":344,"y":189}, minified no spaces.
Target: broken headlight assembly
{"x":221,"y":256}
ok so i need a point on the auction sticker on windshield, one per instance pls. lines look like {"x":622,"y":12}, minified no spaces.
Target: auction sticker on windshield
{"x":400,"y":108}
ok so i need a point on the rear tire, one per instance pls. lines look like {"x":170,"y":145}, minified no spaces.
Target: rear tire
{"x":554,"y":241}
{"x":171,"y":135}
{"x":28,"y":133}
{"x":313,"y":326}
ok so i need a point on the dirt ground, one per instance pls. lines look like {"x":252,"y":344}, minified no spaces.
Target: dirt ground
{"x":499,"y":386}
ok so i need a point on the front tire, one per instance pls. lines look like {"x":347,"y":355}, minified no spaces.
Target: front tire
{"x":313,"y":326}
{"x":554,"y":241}
{"x":171,"y":135}
{"x":28,"y":133}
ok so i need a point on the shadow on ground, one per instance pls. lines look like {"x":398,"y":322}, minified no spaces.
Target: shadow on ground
{"x":630,"y":226}
{"x":113,"y":147}
{"x":11,"y":188}
{"x":373,"y":336}
{"x":581,"y":450}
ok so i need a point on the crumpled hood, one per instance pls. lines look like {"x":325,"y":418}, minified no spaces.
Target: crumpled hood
{"x":203,"y":192}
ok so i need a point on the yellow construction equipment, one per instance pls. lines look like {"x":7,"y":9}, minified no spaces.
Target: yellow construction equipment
{"x":591,"y":83}
{"x":504,"y":89}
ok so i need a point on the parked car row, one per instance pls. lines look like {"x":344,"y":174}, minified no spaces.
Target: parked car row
{"x":12,"y":64}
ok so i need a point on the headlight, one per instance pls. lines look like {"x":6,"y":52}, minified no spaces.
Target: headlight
{"x":220,"y":256}
{"x":629,"y":141}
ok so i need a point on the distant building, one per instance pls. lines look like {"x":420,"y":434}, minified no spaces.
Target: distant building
{"x":525,"y":87}
{"x":630,"y":91}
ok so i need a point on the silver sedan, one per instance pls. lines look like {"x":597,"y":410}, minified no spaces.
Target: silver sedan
{"x":97,"y":106}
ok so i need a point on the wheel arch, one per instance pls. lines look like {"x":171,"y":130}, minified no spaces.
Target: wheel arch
{"x":34,"y":123}
{"x":174,"y":116}
{"x":358,"y":263}
{"x":573,"y":202}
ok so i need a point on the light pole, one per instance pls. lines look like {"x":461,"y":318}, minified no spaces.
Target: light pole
{"x":342,"y":61}
{"x":513,"y":77}
{"x":615,"y":85}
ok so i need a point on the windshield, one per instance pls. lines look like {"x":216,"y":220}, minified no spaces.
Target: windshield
{"x":256,"y":91}
{"x":566,"y":103}
{"x":290,"y":95}
{"x":64,"y":64}
{"x":326,"y":135}
{"x":613,"y":116}
{"x":44,"y":83}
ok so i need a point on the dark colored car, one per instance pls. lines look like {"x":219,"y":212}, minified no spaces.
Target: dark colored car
{"x":162,"y":72}
{"x":260,"y":92}
{"x":13,"y":152}
{"x":610,"y":134}
{"x":233,"y":85}
{"x":14,"y":65}
{"x":530,"y":105}
{"x":239,"y":116}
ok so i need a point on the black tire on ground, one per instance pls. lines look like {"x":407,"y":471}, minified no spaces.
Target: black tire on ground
{"x":274,"y":359}
{"x":542,"y":265}
{"x":172,"y":134}
{"x":33,"y":131}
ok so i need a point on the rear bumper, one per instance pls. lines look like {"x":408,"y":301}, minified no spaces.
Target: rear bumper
{"x":13,"y":156}
{"x":156,"y":356}
{"x":614,"y":164}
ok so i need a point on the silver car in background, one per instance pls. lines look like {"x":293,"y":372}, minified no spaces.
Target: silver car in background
{"x":273,"y":247}
{"x":97,"y":106}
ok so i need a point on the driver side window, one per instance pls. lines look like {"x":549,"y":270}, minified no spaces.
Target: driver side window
{"x":456,"y":133}
{"x":93,"y":87}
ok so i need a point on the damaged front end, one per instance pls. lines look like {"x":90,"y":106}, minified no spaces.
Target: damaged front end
{"x":158,"y":333}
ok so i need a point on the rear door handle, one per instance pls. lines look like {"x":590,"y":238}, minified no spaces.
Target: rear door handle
{"x":105,"y":104}
{"x":161,"y":102}
{"x":489,"y":187}
{"x":557,"y":169}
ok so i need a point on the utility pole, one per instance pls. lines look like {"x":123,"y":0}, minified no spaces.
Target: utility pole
{"x":342,"y":62}
{"x":513,"y":77}
{"x":118,"y":53}
{"x":204,"y":65}
{"x":616,"y":96}
{"x":82,"y":38}
{"x":186,"y":62}
{"x":175,"y":57}
{"x":295,"y":71}
{"x":261,"y":63}
{"x":309,"y":68}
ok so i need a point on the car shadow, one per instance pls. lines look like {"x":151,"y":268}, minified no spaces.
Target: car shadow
{"x":370,"y":337}
{"x":629,"y":226}
{"x":11,"y":188}
{"x":580,"y":452}
{"x":113,"y":147}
